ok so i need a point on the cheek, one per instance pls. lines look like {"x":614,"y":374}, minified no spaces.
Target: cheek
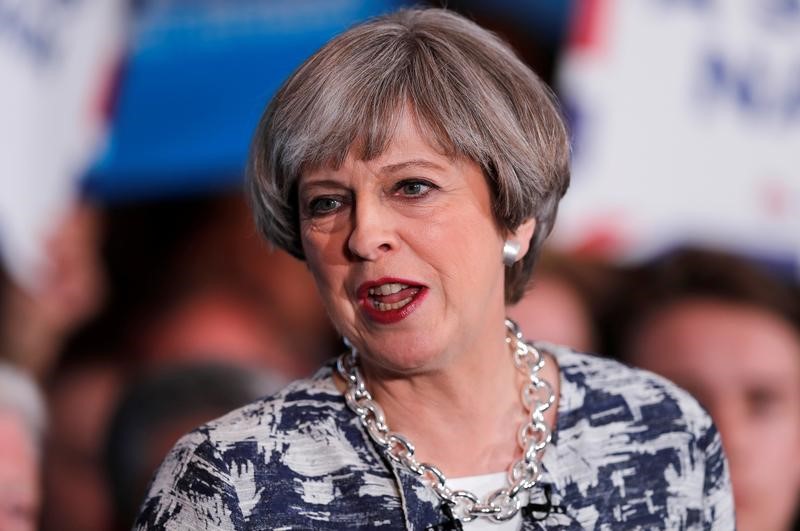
{"x":326,"y":269}
{"x":323,"y":250}
{"x":327,"y":278}
{"x":459,"y":236}
{"x":778,"y":439}
{"x":330,"y":286}
{"x":463,"y":261}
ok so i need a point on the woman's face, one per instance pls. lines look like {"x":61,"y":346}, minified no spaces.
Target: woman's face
{"x":19,"y":473}
{"x":406,"y":252}
{"x":743,"y":364}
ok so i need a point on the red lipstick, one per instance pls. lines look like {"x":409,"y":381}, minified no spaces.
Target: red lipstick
{"x":388,"y":300}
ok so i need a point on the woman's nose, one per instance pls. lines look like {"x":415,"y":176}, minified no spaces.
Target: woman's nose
{"x":372,"y":234}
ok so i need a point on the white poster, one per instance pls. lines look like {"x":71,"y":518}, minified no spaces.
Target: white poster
{"x":686,"y":119}
{"x":57,"y":64}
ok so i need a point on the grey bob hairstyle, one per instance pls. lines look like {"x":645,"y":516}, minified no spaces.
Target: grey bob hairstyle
{"x":470,"y":95}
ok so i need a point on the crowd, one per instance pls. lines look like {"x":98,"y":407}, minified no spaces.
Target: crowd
{"x":154,"y":318}
{"x":109,"y":381}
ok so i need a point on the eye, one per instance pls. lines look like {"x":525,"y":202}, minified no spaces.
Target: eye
{"x":413,"y":188}
{"x":320,"y":206}
{"x":761,"y":401}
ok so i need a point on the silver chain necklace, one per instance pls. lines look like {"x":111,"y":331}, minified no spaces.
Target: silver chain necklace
{"x":533,"y":435}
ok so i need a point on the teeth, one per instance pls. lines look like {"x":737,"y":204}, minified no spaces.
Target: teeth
{"x":387,"y":289}
{"x":395,"y":306}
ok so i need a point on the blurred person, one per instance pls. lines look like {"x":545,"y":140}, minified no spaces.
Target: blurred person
{"x":416,"y":165}
{"x":227,"y":245}
{"x":554,"y":311}
{"x":22,"y":425}
{"x":567,"y":301}
{"x":159,"y":407}
{"x":729,"y":333}
{"x":81,"y":393}
{"x":35,"y":323}
{"x":223,"y":320}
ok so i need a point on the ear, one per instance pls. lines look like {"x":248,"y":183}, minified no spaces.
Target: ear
{"x":523,"y":234}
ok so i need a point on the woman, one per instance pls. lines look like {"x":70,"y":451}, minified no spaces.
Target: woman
{"x":416,"y":165}
{"x":729,"y":332}
{"x":22,"y":425}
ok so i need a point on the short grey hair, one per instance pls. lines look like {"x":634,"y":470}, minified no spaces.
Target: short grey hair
{"x":469,"y":94}
{"x":20,"y":396}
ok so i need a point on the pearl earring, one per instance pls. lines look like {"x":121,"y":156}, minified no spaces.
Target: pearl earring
{"x":510,"y":252}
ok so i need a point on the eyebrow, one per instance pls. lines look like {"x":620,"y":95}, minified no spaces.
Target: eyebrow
{"x":420,"y":163}
{"x":389,"y":168}
{"x":321,"y":182}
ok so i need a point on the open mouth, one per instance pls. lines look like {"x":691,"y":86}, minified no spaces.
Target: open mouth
{"x":389,"y":300}
{"x":391,"y":296}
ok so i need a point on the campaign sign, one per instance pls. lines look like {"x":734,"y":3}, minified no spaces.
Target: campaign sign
{"x":58,"y":60}
{"x":685,"y":117}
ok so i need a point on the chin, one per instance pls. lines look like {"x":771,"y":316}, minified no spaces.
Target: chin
{"x":404,"y":356}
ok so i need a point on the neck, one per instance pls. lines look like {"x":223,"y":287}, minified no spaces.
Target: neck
{"x":463,"y":417}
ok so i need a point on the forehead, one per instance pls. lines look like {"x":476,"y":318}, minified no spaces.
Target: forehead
{"x":718,"y":340}
{"x":409,"y":144}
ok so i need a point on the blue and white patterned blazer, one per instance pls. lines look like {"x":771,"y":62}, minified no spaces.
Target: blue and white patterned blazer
{"x":630,"y":451}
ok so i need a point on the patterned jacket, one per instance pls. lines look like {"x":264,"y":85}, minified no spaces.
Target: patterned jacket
{"x":630,"y":451}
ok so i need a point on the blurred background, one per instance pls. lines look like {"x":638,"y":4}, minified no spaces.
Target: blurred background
{"x":132,"y":277}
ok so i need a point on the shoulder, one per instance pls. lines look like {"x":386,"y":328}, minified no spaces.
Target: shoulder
{"x":302,"y":403}
{"x":299,"y":403}
{"x":218,"y":468}
{"x":646,"y":448}
{"x":603,"y":390}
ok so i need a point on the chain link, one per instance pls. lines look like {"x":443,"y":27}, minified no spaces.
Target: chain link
{"x":533,"y":436}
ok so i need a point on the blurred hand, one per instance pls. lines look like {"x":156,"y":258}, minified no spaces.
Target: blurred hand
{"x":35,"y":323}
